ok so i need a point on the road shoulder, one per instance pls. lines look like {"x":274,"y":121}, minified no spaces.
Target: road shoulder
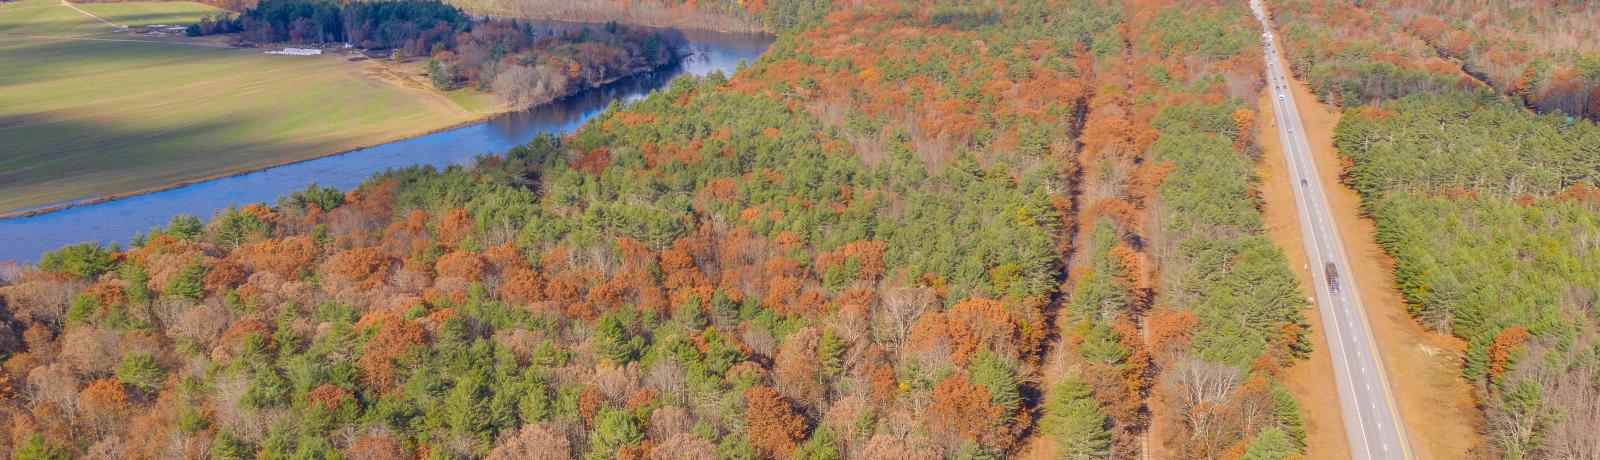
{"x":1311,"y":380}
{"x":1435,"y":402}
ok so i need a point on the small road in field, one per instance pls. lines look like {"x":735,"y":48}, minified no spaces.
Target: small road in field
{"x":86,"y":13}
{"x":1370,"y":417}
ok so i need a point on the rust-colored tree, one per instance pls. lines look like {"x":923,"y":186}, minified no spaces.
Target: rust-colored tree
{"x":286,"y":257}
{"x":467,"y":265}
{"x":963,"y":411}
{"x":455,"y":226}
{"x":520,"y":286}
{"x":774,"y":427}
{"x":366,"y":267}
{"x":394,"y":338}
{"x":797,"y":369}
{"x":103,"y":407}
{"x":1504,"y":346}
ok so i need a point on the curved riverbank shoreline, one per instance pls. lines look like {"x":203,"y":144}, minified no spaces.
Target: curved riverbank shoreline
{"x":116,"y":219}
{"x":481,"y":118}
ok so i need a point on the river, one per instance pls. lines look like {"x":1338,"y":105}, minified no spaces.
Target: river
{"x":25,"y":239}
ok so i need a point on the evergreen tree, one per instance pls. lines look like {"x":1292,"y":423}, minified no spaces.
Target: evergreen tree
{"x":226,"y":446}
{"x":614,"y":429}
{"x":187,"y":285}
{"x":1074,"y":420}
{"x":1270,"y":444}
{"x":1288,"y":412}
{"x":995,"y":374}
{"x":612,"y":341}
{"x":35,"y":448}
{"x":86,"y":260}
{"x":466,"y":408}
{"x":140,"y":370}
{"x":267,"y":389}
{"x":136,"y":291}
{"x":534,"y":405}
{"x":830,"y":353}
{"x":185,"y":227}
{"x":819,"y":447}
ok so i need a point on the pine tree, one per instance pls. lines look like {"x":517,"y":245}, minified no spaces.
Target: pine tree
{"x":136,"y":290}
{"x":466,"y":408}
{"x":1288,"y":412}
{"x":226,"y":446}
{"x":140,"y":370}
{"x":187,"y":284}
{"x":612,"y":341}
{"x":830,"y":353}
{"x":1270,"y":444}
{"x":35,"y":448}
{"x":86,"y":260}
{"x":819,"y":447}
{"x":535,"y":404}
{"x":185,"y":227}
{"x":267,"y":389}
{"x":614,"y":429}
{"x":1074,"y":420}
{"x":993,"y":373}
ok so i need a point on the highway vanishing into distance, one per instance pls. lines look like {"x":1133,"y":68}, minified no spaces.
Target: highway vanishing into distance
{"x":1371,"y":419}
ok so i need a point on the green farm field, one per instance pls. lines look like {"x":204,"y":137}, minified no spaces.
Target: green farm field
{"x":46,"y":17}
{"x":90,"y":116}
{"x":151,"y":13}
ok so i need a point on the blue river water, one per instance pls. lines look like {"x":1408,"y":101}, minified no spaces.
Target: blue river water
{"x":25,"y":239}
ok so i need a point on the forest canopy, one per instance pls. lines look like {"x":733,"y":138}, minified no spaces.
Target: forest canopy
{"x":958,"y":230}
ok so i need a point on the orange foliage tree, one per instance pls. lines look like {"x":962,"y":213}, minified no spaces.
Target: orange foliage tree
{"x":775,"y":428}
{"x":966,"y":412}
{"x":394,"y":338}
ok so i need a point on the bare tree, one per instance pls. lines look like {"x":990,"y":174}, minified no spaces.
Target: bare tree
{"x":900,"y":309}
{"x":521,"y":86}
{"x":534,"y":441}
{"x":684,"y":446}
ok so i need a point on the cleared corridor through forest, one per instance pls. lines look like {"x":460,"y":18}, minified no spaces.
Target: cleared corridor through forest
{"x":1371,"y":418}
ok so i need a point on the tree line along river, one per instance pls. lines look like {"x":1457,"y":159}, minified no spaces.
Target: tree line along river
{"x":25,"y":239}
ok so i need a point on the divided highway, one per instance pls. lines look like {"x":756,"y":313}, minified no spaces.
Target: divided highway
{"x":1370,"y":418}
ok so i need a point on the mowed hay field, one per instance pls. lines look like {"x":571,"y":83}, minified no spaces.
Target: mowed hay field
{"x":83,"y":117}
{"x":46,"y":17}
{"x":151,"y":13}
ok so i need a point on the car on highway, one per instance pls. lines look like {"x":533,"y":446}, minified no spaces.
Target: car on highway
{"x":1332,"y":273}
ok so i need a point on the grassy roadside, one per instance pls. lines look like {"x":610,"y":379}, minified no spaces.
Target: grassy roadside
{"x":1311,"y":379}
{"x":80,"y":118}
{"x":1435,"y":403}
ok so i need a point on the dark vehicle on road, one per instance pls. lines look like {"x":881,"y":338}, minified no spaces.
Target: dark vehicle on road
{"x":1333,"y":277}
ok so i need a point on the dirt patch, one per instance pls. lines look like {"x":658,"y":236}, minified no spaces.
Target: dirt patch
{"x":1435,"y":402}
{"x":408,"y":77}
{"x":1311,"y":379}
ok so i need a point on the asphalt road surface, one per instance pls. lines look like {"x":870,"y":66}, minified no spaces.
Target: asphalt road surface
{"x":1370,"y":417}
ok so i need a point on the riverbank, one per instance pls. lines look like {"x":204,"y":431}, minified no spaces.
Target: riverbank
{"x":82,"y":118}
{"x":177,"y":117}
{"x":109,"y":220}
{"x":49,"y":208}
{"x":494,"y":112}
{"x":603,"y":11}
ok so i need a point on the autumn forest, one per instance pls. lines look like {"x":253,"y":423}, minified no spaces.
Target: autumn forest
{"x":910,"y":230}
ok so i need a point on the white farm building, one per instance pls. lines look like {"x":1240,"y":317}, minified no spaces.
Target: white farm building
{"x":297,"y":52}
